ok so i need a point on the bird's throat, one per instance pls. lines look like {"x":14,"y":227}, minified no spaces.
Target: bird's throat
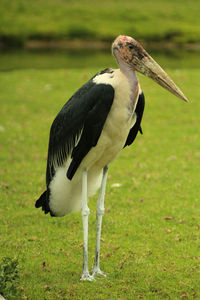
{"x":133,"y":83}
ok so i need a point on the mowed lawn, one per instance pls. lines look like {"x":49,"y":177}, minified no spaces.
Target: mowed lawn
{"x":151,"y":228}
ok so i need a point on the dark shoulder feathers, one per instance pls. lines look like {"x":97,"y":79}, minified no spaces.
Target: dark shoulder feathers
{"x":81,"y":118}
{"x":137,"y":126}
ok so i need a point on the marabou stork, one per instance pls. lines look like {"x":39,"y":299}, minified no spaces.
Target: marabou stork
{"x":97,"y":122}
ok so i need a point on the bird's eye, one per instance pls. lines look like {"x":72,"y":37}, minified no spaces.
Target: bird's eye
{"x":130,"y":47}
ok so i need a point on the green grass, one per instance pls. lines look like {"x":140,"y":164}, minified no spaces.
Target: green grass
{"x":9,"y":279}
{"x":173,"y":20}
{"x":150,"y":246}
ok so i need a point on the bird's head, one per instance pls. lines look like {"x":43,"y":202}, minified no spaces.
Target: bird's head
{"x":130,"y":52}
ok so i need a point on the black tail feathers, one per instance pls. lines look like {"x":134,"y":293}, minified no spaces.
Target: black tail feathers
{"x":43,"y":202}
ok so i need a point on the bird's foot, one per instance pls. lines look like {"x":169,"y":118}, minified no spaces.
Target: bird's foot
{"x":87,"y":276}
{"x":97,"y":271}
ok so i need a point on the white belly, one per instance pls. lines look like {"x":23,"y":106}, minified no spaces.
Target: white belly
{"x":110,"y":143}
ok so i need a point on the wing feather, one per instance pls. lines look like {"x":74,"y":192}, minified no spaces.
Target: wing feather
{"x":73,"y":131}
{"x":137,"y":126}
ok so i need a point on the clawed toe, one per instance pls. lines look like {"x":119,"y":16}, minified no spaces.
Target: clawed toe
{"x":87,"y":276}
{"x":97,"y":271}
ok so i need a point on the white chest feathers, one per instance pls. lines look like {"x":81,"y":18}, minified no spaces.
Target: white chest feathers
{"x":126,"y":91}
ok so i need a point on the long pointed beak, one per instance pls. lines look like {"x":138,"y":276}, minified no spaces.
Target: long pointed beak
{"x":149,"y":67}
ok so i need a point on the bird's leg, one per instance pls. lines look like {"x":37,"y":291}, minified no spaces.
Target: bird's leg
{"x":85,"y":212}
{"x":99,"y":214}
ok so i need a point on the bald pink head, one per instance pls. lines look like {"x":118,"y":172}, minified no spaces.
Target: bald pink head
{"x":127,"y":48}
{"x":130,"y":52}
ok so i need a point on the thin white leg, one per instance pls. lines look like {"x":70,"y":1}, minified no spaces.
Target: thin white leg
{"x":85,"y":212}
{"x":99,"y":214}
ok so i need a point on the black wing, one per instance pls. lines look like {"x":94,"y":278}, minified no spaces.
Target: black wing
{"x":137,"y":126}
{"x":80,"y":122}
